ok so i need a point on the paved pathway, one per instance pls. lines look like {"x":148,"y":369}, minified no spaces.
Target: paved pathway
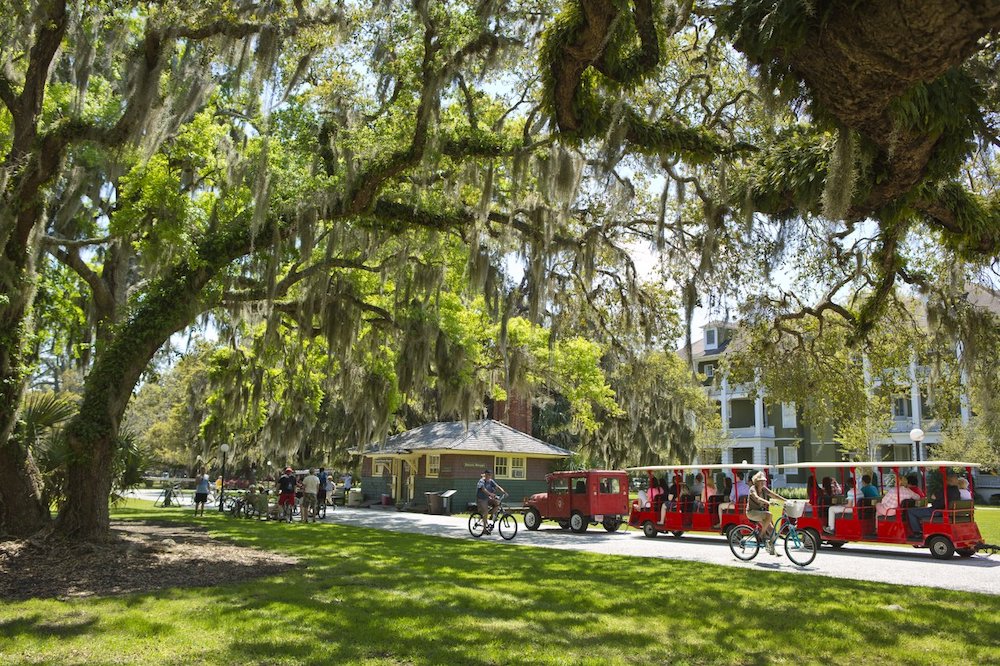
{"x":885,"y":564}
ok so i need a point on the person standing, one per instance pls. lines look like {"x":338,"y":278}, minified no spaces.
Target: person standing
{"x":321,"y":494}
{"x":286,"y":494}
{"x":201,"y":495}
{"x":310,"y":491}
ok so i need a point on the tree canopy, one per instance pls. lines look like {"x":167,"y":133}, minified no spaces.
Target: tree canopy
{"x":409,"y":205}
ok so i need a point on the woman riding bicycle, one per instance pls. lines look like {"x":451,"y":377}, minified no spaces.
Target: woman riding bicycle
{"x":759,"y":507}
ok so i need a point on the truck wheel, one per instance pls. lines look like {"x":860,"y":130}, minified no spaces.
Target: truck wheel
{"x":612,"y":523}
{"x":965,"y":552}
{"x":532,"y":519}
{"x":578,"y":522}
{"x":649,"y":529}
{"x":941,"y":547}
{"x":564,"y":524}
{"x":678,"y":533}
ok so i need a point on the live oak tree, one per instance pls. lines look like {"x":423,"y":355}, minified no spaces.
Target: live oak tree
{"x":835,"y":140}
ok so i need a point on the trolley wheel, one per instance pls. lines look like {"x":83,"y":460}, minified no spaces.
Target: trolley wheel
{"x":743,"y":542}
{"x":801,"y":550}
{"x":507,"y":526}
{"x":532,"y":519}
{"x":965,"y":552}
{"x":477,"y":525}
{"x":837,"y":544}
{"x":649,"y":529}
{"x":941,"y":547}
{"x":678,"y":533}
{"x":578,"y":522}
{"x":564,"y":524}
{"x":612,"y":523}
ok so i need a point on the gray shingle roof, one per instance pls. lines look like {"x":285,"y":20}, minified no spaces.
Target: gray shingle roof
{"x":486,"y":436}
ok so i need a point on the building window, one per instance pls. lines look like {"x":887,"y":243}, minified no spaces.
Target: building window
{"x":902,"y":408}
{"x":500,"y":466}
{"x":433,"y":464}
{"x":772,"y":456}
{"x":710,"y":339}
{"x":517,"y":468}
{"x":790,"y":454}
{"x":382,"y":467}
{"x":709,"y":370}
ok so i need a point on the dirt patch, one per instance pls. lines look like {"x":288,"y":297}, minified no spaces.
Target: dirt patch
{"x":140,"y":557}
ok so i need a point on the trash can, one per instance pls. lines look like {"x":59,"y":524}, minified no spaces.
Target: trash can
{"x":445,"y":499}
{"x":354,"y":497}
{"x":386,"y":500}
{"x":434,"y":503}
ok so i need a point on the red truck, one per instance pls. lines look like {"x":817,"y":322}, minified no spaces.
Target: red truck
{"x":580,"y":498}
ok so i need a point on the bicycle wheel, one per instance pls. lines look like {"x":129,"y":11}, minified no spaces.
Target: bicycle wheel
{"x":477,"y":525}
{"x":743,"y":542}
{"x":507,"y":524}
{"x":800,"y":547}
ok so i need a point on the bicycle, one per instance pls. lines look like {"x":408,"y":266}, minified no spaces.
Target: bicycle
{"x":169,"y":496}
{"x":503,"y":520}
{"x":800,"y":545}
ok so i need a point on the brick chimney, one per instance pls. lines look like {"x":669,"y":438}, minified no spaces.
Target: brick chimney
{"x":515,"y":412}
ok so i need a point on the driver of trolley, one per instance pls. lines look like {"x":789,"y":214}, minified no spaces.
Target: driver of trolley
{"x":758,"y":507}
{"x":486,"y":494}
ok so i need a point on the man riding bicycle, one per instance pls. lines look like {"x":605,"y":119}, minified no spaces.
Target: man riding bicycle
{"x":759,"y":507}
{"x":486,"y":495}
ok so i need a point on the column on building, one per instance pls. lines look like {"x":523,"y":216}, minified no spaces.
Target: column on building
{"x":915,"y":404}
{"x":866,"y":373}
{"x":725,"y":405}
{"x":963,"y":378}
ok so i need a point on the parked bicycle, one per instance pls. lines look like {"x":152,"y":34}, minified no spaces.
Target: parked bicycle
{"x":503,"y":520}
{"x":800,"y":545}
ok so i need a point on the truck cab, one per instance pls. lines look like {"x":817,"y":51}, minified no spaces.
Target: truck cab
{"x":580,"y":498}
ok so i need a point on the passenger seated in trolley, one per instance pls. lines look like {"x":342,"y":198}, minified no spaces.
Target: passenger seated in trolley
{"x":740,"y":490}
{"x":894,"y":497}
{"x":852,"y":499}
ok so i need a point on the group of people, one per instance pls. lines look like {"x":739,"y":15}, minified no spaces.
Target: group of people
{"x":313,"y":489}
{"x":673,"y":492}
{"x":907,"y":488}
{"x":756,"y":497}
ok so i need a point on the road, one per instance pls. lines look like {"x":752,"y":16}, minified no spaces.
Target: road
{"x":884,"y":564}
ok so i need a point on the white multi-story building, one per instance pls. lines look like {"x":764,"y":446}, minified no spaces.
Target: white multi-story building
{"x":760,"y":432}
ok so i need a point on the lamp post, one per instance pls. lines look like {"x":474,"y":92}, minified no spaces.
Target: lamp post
{"x":222,"y":491}
{"x":916,"y":436}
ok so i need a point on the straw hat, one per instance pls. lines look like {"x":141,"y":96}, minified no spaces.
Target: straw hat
{"x":759,"y":476}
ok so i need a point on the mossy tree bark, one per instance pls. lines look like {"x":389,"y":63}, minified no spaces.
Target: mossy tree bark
{"x":169,"y":305}
{"x":27,"y":168}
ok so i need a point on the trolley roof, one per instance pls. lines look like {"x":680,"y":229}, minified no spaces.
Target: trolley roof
{"x":664,"y":468}
{"x":889,"y":463}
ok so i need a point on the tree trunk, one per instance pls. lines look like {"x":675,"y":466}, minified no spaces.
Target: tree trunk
{"x":169,"y":304}
{"x":22,"y":510}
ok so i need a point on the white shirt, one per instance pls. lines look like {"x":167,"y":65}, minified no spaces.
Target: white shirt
{"x":310,"y":484}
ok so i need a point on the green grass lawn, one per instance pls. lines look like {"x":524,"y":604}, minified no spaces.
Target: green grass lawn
{"x":366,"y":596}
{"x":988,"y":519}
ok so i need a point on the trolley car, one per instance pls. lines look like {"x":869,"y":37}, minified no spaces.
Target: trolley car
{"x":854,"y":518}
{"x":694,"y":512}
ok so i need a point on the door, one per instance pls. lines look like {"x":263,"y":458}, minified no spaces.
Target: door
{"x":744,"y":454}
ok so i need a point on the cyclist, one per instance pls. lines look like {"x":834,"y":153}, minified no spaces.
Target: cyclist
{"x":486,"y":495}
{"x":759,"y":507}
